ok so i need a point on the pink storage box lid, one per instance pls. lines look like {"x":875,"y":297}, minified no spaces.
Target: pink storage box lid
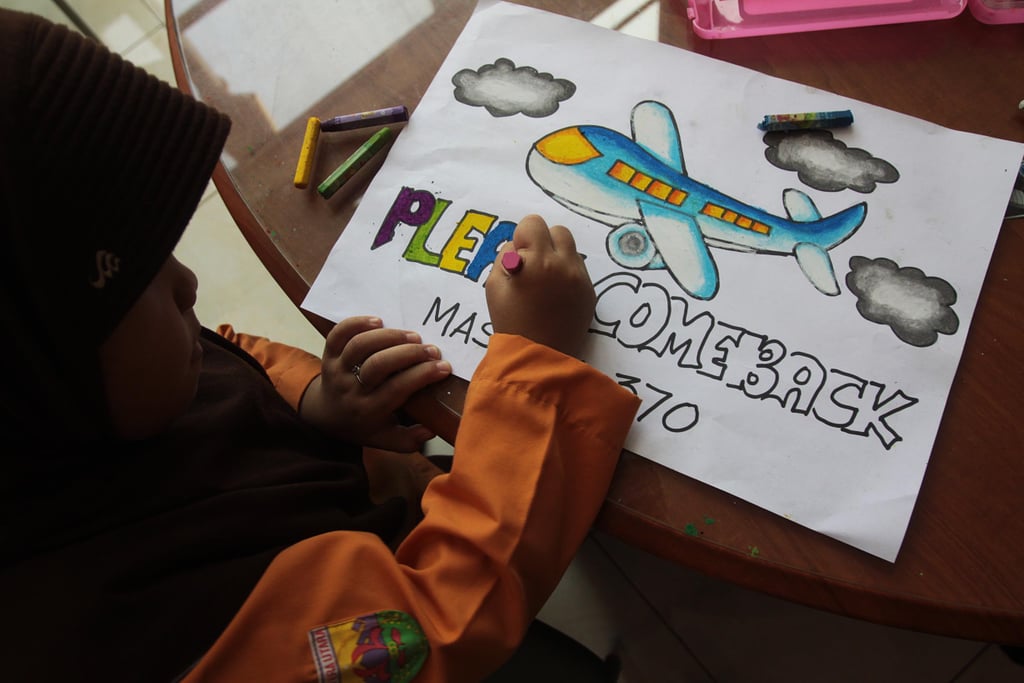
{"x":739,"y":18}
{"x":997,"y":11}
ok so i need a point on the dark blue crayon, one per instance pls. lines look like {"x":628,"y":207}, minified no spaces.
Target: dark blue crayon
{"x":810,"y":120}
{"x":364,"y":119}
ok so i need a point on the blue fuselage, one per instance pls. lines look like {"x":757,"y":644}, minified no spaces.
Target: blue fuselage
{"x":610,"y":186}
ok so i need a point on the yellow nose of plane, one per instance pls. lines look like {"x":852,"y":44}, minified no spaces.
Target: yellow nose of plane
{"x":567,"y":146}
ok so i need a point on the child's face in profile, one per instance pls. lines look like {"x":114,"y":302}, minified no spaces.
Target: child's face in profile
{"x":151,"y":362}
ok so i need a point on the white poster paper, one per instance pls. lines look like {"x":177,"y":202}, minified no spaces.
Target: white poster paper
{"x":791,"y":307}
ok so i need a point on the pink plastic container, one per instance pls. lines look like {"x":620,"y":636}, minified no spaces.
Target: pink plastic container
{"x":739,"y":18}
{"x":997,"y":11}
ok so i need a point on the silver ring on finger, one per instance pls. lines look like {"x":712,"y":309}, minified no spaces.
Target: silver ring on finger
{"x":355,"y":371}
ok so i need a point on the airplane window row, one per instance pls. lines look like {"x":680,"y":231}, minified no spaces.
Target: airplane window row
{"x":739,"y":220}
{"x":627,"y":174}
{"x":645,"y":183}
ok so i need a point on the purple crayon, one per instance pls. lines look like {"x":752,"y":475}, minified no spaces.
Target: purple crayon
{"x":364,"y":119}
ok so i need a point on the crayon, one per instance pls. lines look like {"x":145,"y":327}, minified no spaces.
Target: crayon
{"x":304,"y":169}
{"x":512,"y":262}
{"x":809,"y":120}
{"x":364,"y":119}
{"x":355,"y":162}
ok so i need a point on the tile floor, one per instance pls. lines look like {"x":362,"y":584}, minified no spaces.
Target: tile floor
{"x":666,"y":622}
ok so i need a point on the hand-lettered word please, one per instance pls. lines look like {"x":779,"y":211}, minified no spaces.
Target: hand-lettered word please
{"x":422,"y":210}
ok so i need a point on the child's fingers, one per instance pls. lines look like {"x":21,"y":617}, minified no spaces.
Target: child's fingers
{"x":565,"y":247}
{"x":378,"y":367}
{"x":396,"y":389}
{"x":562,"y":239}
{"x":505,"y":247}
{"x":343,"y":332}
{"x":364,"y":345}
{"x":401,"y":439}
{"x":532,"y":233}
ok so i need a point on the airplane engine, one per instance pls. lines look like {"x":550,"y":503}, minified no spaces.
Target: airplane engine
{"x":630,"y":246}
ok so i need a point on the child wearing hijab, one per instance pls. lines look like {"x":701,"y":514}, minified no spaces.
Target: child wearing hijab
{"x":179,"y":504}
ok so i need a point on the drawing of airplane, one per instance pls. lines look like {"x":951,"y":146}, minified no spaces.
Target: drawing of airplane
{"x":662,"y":218}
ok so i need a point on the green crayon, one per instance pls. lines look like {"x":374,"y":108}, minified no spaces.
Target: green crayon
{"x":355,"y":162}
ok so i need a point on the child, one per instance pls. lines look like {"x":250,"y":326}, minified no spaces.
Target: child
{"x":177,"y":508}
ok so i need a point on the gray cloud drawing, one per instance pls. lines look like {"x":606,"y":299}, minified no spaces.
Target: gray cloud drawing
{"x":917,"y":307}
{"x":504,"y":89}
{"x":825,"y":163}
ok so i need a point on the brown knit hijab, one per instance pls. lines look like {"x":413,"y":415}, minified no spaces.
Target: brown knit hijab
{"x":101,"y":167}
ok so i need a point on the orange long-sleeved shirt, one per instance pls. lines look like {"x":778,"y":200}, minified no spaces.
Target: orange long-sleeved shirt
{"x":290,"y":369}
{"x":536,"y":450}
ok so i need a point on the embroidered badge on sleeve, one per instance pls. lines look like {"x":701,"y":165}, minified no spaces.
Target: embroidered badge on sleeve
{"x":387,"y":646}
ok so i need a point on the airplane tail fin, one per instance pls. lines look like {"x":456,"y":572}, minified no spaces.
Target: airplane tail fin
{"x":828,"y":231}
{"x":813,"y":257}
{"x":817,"y":266}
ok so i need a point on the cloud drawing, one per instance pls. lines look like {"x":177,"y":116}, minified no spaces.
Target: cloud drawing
{"x":825,"y":163}
{"x":915,"y":306}
{"x":504,"y":89}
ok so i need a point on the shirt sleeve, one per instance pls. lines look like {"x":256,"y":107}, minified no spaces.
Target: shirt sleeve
{"x":538,"y":443}
{"x":290,"y":369}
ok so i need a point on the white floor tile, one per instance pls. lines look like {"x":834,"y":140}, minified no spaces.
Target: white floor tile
{"x":992,"y":666}
{"x":120,"y":25}
{"x":156,"y":6}
{"x":43,"y":8}
{"x":596,"y":606}
{"x":742,"y":635}
{"x":151,"y":53}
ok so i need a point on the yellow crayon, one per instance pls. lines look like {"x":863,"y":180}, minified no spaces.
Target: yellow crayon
{"x":304,"y":169}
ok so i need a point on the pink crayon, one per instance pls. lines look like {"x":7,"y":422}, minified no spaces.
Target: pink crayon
{"x":512,"y":262}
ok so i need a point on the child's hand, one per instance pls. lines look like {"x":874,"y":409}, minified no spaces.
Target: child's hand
{"x":369,"y":371}
{"x":551,"y":298}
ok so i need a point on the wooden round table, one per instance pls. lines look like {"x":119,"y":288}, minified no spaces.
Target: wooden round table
{"x":270,"y":65}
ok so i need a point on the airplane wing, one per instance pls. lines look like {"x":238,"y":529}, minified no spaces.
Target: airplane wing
{"x":681,"y":245}
{"x":654,"y":129}
{"x":799,"y":206}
